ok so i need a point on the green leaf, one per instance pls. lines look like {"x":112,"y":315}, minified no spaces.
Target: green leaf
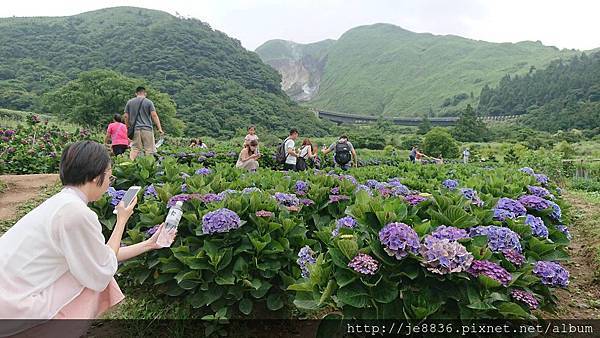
{"x":245,"y":306}
{"x":386,"y":291}
{"x":306,"y":304}
{"x":275,"y":301}
{"x":354,"y":295}
{"x":512,"y":310}
{"x":303,"y":287}
{"x":348,"y":247}
{"x":204,"y":298}
{"x":344,"y":277}
{"x":225,"y":280}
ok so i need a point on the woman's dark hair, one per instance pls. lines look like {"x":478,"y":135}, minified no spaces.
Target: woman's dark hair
{"x":252,"y":127}
{"x":199,"y":142}
{"x":118,"y":118}
{"x":252,"y":143}
{"x":83,"y":161}
{"x":293,"y":131}
{"x":306,"y":142}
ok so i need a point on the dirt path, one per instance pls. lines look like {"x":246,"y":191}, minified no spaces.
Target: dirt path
{"x":582,"y":299}
{"x":21,"y":188}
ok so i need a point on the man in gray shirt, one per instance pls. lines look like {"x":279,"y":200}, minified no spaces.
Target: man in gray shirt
{"x":344,"y":155}
{"x":143,"y":137}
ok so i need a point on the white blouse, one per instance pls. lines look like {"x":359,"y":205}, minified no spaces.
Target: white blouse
{"x":51,"y":255}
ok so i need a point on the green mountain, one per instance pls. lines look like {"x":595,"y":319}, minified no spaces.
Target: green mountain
{"x":383,"y":69}
{"x":564,"y":95}
{"x":219,"y":87}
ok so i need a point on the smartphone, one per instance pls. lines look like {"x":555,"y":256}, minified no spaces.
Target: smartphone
{"x":129,"y":195}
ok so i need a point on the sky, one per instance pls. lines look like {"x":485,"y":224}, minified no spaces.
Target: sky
{"x":564,"y":24}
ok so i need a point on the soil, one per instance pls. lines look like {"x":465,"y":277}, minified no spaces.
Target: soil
{"x":581,"y":300}
{"x":20,"y":189}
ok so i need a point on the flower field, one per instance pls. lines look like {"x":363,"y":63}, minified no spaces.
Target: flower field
{"x":403,"y":241}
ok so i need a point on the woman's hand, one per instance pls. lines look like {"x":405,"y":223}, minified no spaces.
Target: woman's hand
{"x":123,"y":213}
{"x":152,"y":245}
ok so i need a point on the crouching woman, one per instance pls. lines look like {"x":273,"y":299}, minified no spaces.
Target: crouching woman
{"x":249,"y":156}
{"x":55,"y":262}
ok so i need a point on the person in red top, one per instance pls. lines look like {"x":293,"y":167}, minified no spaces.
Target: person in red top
{"x":117,"y":134}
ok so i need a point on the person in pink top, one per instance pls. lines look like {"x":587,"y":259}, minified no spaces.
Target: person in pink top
{"x":55,"y":262}
{"x":251,"y":137}
{"x":117,"y":134}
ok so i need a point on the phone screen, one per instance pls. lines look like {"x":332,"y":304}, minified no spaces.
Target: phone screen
{"x":129,"y":195}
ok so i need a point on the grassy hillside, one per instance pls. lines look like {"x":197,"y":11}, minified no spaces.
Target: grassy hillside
{"x":282,"y":49}
{"x":383,"y":69}
{"x":171,"y":54}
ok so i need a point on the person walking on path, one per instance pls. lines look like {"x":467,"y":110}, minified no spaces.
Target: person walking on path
{"x":139,"y":116}
{"x":413,"y":154}
{"x":344,"y":155}
{"x":290,"y":150}
{"x":466,"y":154}
{"x":117,"y":134}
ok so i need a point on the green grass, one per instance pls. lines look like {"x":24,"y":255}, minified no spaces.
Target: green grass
{"x":587,"y":219}
{"x":384,"y":69}
{"x":3,"y":187}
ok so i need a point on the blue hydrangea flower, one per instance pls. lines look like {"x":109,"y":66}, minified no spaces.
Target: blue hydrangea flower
{"x":499,"y":238}
{"x":414,"y":199}
{"x":399,"y":240}
{"x":348,"y":178}
{"x":552,"y":274}
{"x":512,"y":206}
{"x":542,"y":179}
{"x":182,"y":197}
{"x":203,"y":171}
{"x":502,"y":214}
{"x":538,"y":228}
{"x":450,"y":184}
{"x":362,"y":187}
{"x":301,"y":188}
{"x":344,"y":222}
{"x":372,"y":183}
{"x":288,"y":200}
{"x":150,"y":192}
{"x":539,"y":191}
{"x":525,"y":297}
{"x":534,"y":202}
{"x":447,"y":232}
{"x":220,"y":220}
{"x":116,"y":195}
{"x":562,"y":228}
{"x":471,"y":195}
{"x":444,"y":256}
{"x":306,"y":257}
{"x":527,"y":170}
{"x":556,"y":212}
{"x":211,"y":197}
{"x":514,"y":257}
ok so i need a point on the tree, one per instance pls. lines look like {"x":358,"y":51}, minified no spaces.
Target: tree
{"x":469,"y":127}
{"x":424,"y":126}
{"x":439,"y":141}
{"x":95,"y":96}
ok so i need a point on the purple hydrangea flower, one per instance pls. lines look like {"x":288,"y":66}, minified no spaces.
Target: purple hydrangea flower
{"x":534,"y":202}
{"x":512,"y":206}
{"x":301,"y":188}
{"x":9,"y":132}
{"x":556,"y":212}
{"x":527,"y":170}
{"x":209,"y":154}
{"x":514,"y":257}
{"x":502,"y":214}
{"x":363,"y":263}
{"x":471,"y":195}
{"x":348,"y":178}
{"x":335,"y":190}
{"x":398,"y":189}
{"x":176,"y":198}
{"x":203,"y":171}
{"x":184,"y":187}
{"x":150,"y":192}
{"x":338,"y":198}
{"x":116,"y":195}
{"x":344,"y":222}
{"x":362,"y":187}
{"x":538,"y":228}
{"x":5,"y":138}
{"x":446,"y":232}
{"x":539,"y":191}
{"x":450,"y":184}
{"x":211,"y":197}
{"x":444,"y":256}
{"x":306,"y":202}
{"x":220,"y":220}
{"x":414,"y":199}
{"x":152,"y":230}
{"x":541,"y":178}
{"x":399,"y":240}
{"x":491,"y":270}
{"x":288,"y":200}
{"x":563,"y":228}
{"x":525,"y":297}
{"x":306,"y":257}
{"x":372,"y":183}
{"x":264,"y":213}
{"x":551,"y":273}
{"x":499,"y":238}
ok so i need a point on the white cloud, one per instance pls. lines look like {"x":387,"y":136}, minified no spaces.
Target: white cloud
{"x":565,"y":24}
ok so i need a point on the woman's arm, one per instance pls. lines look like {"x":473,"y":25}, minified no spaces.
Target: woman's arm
{"x":107,"y":137}
{"x":123,"y":214}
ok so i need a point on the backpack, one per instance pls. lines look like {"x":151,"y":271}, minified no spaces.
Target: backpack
{"x":342,"y":153}
{"x":281,"y":154}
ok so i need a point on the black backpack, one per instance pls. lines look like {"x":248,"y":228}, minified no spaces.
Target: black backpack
{"x":281,"y":154}
{"x":342,"y":153}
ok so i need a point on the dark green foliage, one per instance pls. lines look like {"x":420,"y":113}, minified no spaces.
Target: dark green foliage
{"x":95,"y":96}
{"x":171,"y":54}
{"x":469,"y":127}
{"x":424,"y":126}
{"x":564,"y":95}
{"x":439,"y":141}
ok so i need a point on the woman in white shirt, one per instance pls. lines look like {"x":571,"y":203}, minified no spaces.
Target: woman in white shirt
{"x":248,"y":158}
{"x":55,"y":262}
{"x":305,"y":154}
